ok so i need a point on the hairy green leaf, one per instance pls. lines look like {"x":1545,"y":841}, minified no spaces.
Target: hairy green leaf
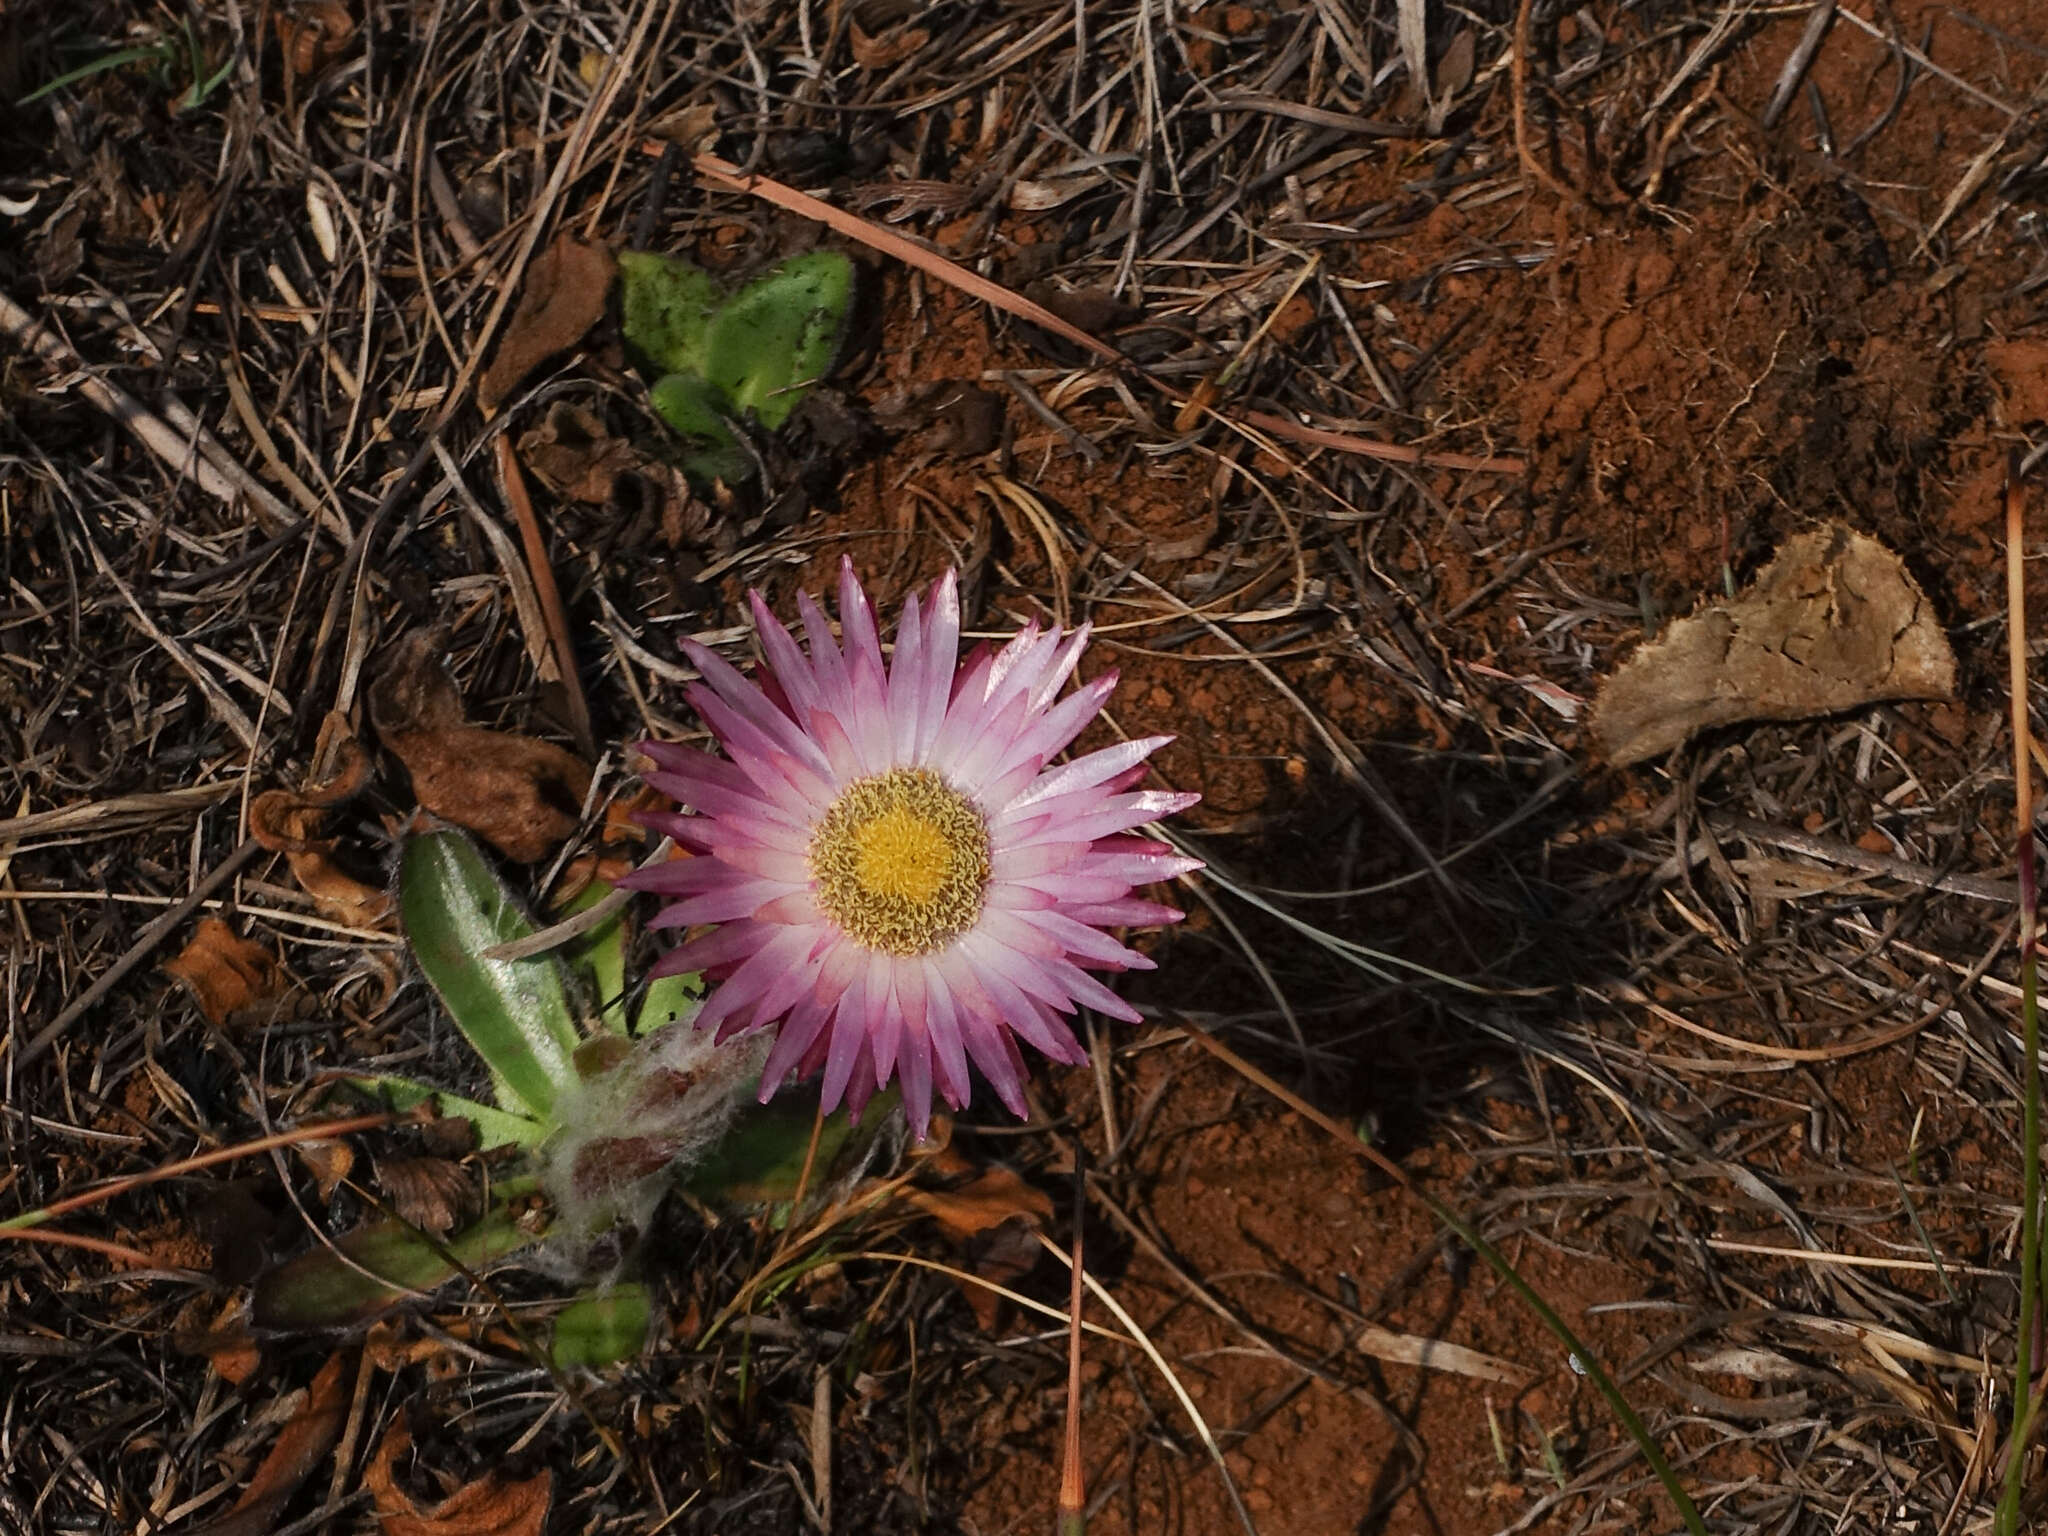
{"x":779,"y":334}
{"x":515,"y":1013}
{"x":494,"y":1127}
{"x":665,"y":307}
{"x":761,"y":1159}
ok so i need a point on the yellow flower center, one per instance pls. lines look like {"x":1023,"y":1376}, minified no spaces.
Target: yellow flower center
{"x":901,"y":862}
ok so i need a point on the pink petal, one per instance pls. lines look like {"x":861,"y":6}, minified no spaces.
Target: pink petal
{"x":1091,"y":993}
{"x":785,"y":659}
{"x":941,"y":656}
{"x":915,"y":1079}
{"x":721,"y":946}
{"x":838,"y":747}
{"x":849,"y":1037}
{"x":1086,"y":772}
{"x":798,"y":1031}
{"x":885,"y":1016}
{"x":906,"y":674}
{"x":768,"y":863}
{"x":1011,"y":864}
{"x":861,"y":1086}
{"x":977,"y":759}
{"x":1119,"y":814}
{"x":826,"y":663}
{"x":1059,"y":725}
{"x":949,"y":1050}
{"x":1090,"y":943}
{"x":1126,"y":914}
{"x":771,"y":963}
{"x":751,"y":747}
{"x":996,"y":1054}
{"x":678,"y":877}
{"x":792,"y":907}
{"x":1116,"y":860}
{"x":719,"y":906}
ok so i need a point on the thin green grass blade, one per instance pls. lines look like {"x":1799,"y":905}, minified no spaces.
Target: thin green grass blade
{"x":151,"y":53}
{"x":515,"y":1013}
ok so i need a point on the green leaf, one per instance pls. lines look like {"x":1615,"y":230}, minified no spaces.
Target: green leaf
{"x":698,"y":410}
{"x":515,"y":1013}
{"x":669,"y":1000}
{"x":665,"y":307}
{"x":780,"y":334}
{"x":760,"y":1160}
{"x":600,"y":1330}
{"x":494,"y":1127}
{"x":602,"y":952}
{"x":375,"y":1267}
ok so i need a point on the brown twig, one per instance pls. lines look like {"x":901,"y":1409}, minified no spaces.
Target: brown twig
{"x":535,"y":547}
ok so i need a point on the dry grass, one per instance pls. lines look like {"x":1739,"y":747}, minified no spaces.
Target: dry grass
{"x":1743,"y":1025}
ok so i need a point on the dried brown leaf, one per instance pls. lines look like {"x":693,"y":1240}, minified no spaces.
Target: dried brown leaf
{"x":885,"y":50}
{"x":565,"y":293}
{"x":223,"y":1338}
{"x":490,"y":1506}
{"x":994,"y":1219}
{"x":430,"y":1193}
{"x":523,"y":795}
{"x":291,"y":822}
{"x":314,"y":34}
{"x":687,"y":127}
{"x":226,"y":972}
{"x":301,"y":1446}
{"x":328,"y":1161}
{"x":1834,"y":622}
{"x":575,"y":455}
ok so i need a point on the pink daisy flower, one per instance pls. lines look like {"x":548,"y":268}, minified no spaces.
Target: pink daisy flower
{"x":900,"y":882}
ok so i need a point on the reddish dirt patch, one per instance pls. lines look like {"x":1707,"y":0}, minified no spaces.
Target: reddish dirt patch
{"x":1285,"y":1230}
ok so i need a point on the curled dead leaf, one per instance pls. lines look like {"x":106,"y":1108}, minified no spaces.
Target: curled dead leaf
{"x":885,"y":50}
{"x":564,"y":296}
{"x":523,"y":795}
{"x":994,"y":1219}
{"x":574,"y":454}
{"x":227,"y":973}
{"x":222,"y":1337}
{"x":490,"y":1506}
{"x":688,"y":128}
{"x":301,"y":1446}
{"x":292,"y":821}
{"x":328,"y":1160}
{"x":314,"y":34}
{"x":430,"y":1193}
